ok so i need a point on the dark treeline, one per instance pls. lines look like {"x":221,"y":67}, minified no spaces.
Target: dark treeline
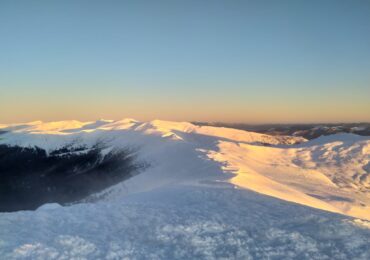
{"x":29,"y":177}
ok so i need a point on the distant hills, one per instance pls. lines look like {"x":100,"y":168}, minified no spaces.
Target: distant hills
{"x":308,"y":131}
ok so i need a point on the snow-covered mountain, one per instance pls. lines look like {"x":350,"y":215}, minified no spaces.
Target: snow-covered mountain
{"x":196,"y":192}
{"x":330,"y":173}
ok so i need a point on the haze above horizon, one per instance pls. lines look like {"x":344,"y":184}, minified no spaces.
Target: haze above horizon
{"x":225,"y":61}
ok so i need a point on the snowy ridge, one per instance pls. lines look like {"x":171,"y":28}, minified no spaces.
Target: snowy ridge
{"x":164,"y":128}
{"x":197,"y":199}
{"x":330,"y":173}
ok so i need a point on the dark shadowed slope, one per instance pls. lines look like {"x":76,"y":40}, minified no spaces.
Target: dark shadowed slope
{"x":29,"y":177}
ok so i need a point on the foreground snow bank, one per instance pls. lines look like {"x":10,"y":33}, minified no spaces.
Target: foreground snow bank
{"x":183,"y":222}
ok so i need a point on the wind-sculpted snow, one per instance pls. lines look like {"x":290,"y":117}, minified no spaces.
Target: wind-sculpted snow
{"x":183,"y":222}
{"x":330,"y":173}
{"x":193,"y":200}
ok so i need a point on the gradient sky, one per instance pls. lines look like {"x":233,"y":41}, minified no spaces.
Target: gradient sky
{"x":233,"y":61}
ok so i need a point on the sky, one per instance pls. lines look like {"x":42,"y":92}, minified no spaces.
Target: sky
{"x":196,"y":60}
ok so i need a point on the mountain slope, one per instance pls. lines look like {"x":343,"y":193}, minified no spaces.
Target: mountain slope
{"x":332,"y":176}
{"x":330,"y":173}
{"x":196,"y":199}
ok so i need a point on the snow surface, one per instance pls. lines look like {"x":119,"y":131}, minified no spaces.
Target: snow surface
{"x":183,"y":222}
{"x":197,"y":199}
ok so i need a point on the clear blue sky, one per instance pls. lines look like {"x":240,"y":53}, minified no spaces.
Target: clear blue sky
{"x":239,"y":61}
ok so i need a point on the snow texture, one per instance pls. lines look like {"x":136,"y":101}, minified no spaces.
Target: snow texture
{"x":183,"y":222}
